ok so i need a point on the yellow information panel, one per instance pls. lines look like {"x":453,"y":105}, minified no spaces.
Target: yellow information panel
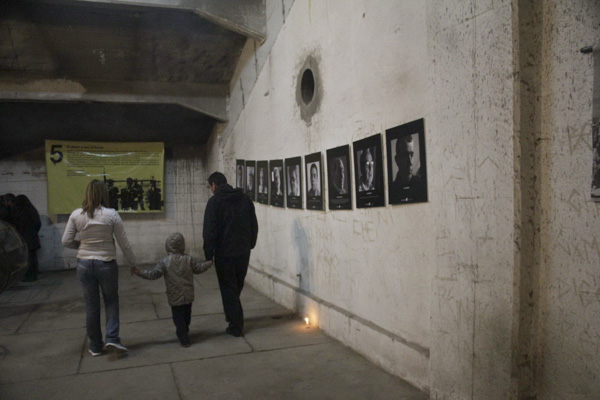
{"x":132,"y":171}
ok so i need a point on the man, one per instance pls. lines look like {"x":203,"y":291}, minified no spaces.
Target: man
{"x":138,"y":195}
{"x":154,"y":196}
{"x":408,"y":186}
{"x":294,"y":189}
{"x":250,"y":180}
{"x":338,"y":175}
{"x":113,"y":194}
{"x":315,"y":190}
{"x":127,"y":202}
{"x":367,"y":171}
{"x":262,"y":184}
{"x":230,"y":232}
{"x":277,"y":181}
{"x":240,"y":176}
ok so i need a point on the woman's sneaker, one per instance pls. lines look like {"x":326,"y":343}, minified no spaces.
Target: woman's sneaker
{"x":95,"y":353}
{"x":115,"y":348}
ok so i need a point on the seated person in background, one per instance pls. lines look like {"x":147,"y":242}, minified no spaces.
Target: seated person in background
{"x":8,"y":204}
{"x":27,"y":221}
{"x":178,"y":269}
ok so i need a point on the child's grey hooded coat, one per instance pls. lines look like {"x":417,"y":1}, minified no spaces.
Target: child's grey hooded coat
{"x":178,"y":269}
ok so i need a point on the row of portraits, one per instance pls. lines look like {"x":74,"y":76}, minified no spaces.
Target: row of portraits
{"x":279,"y":182}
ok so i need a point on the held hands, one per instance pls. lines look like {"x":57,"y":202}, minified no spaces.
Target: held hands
{"x":134,"y":271}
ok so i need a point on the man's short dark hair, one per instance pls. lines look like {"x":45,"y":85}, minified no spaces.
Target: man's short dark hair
{"x":217,"y":178}
{"x":403,"y":140}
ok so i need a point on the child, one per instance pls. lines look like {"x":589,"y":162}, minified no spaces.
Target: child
{"x":178,"y":269}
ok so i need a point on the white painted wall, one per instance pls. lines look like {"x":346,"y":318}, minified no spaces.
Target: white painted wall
{"x":431,"y":291}
{"x":372,"y":268}
{"x":186,"y":195}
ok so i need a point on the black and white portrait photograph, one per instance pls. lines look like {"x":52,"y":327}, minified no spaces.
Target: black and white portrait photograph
{"x":293,"y":172}
{"x":314,"y":181}
{"x":407,"y":172}
{"x":338,"y":177}
{"x":368,"y":172}
{"x":262,"y":185}
{"x":251,"y":179}
{"x":596,"y":161}
{"x":240,"y":172}
{"x":277,"y":183}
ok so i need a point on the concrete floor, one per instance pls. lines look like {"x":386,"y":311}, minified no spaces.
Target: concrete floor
{"x":43,"y":349}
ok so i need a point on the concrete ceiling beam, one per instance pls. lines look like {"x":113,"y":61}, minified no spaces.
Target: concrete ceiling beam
{"x":247,"y":17}
{"x":209,"y":100}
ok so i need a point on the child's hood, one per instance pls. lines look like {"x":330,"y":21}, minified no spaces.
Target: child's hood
{"x":175,"y":244}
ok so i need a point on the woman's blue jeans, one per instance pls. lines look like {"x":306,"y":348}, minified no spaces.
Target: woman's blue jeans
{"x":96,"y":275}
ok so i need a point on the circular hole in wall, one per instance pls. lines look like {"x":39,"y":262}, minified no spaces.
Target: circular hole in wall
{"x":309,"y":89}
{"x":307,"y":86}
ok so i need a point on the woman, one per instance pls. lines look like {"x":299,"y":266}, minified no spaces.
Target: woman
{"x":96,"y":266}
{"x":26,"y":219}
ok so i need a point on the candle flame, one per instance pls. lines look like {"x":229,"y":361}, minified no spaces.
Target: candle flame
{"x":306,"y":319}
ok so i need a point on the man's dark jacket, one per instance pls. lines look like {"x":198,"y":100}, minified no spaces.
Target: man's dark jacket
{"x":230,"y":226}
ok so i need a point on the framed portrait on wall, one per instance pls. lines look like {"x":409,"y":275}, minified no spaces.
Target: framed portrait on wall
{"x":314,"y":181}
{"x":368,"y":172}
{"x":596,"y":160}
{"x":293,"y":174}
{"x":338,"y":178}
{"x":407,"y":168}
{"x":277,"y":183}
{"x":251,"y":179}
{"x":240,"y":173}
{"x":262,"y":185}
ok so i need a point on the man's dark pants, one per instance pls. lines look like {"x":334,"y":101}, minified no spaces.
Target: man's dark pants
{"x":182,"y":316}
{"x":231,"y":272}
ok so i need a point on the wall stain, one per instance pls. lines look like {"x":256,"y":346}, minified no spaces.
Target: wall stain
{"x":300,"y":241}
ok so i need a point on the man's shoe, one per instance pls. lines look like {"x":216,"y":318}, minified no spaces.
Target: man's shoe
{"x":233,"y":332}
{"x":185,"y":341}
{"x":116,"y":348}
{"x":95,"y":353}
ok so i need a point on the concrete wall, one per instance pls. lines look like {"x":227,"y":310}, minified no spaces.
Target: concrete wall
{"x":487,"y":291}
{"x":185,"y":200}
{"x":471,"y":131}
{"x":363,"y":275}
{"x":569,"y":322}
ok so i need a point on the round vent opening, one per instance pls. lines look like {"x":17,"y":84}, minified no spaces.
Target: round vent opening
{"x":307,"y":86}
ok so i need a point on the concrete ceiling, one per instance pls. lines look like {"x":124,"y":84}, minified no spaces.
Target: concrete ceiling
{"x":131,"y":70}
